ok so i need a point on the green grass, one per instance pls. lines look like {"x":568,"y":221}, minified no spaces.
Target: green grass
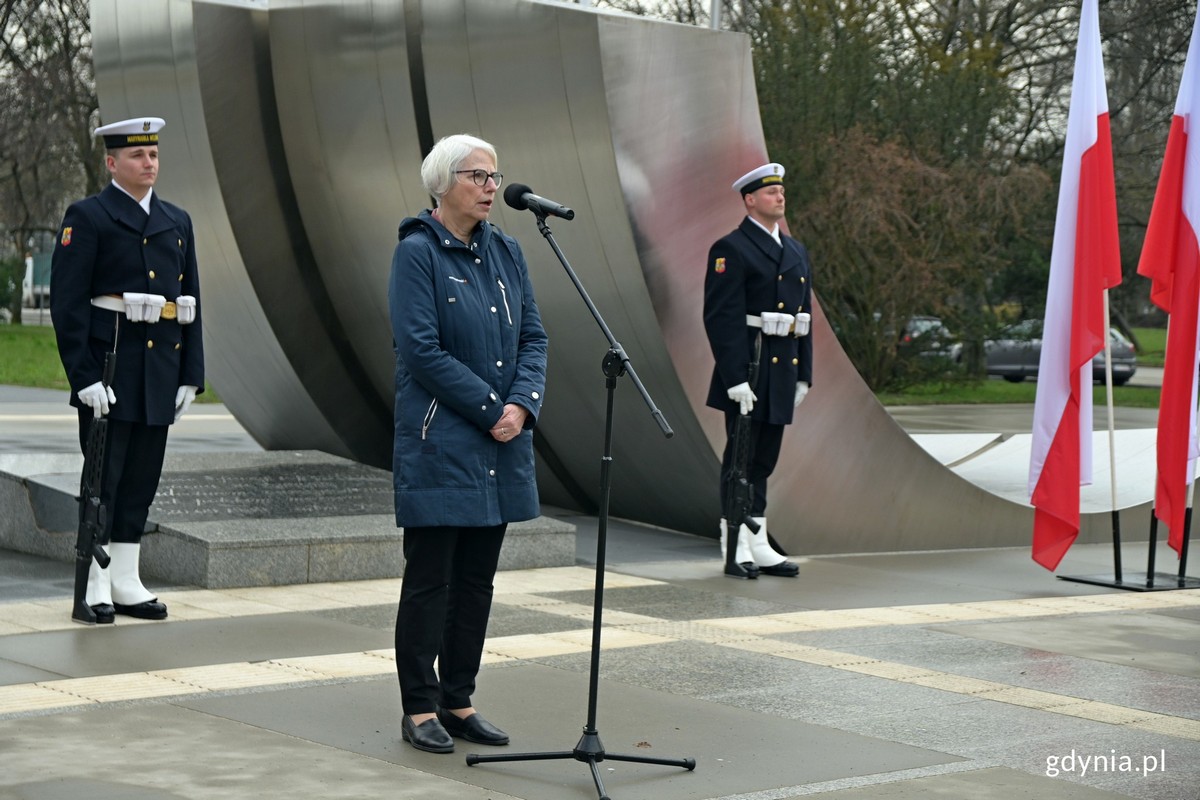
{"x":29,"y":357}
{"x":1001,"y":391}
{"x":1153,"y":347}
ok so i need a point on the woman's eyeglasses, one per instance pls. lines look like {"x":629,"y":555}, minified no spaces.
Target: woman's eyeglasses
{"x":480,"y":176}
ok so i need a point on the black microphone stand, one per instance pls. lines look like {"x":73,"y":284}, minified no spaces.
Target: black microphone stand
{"x":589,"y":749}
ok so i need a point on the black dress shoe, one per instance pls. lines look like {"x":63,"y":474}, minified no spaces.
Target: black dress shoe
{"x":429,"y":736}
{"x":474,"y":728}
{"x":105,"y":613}
{"x":784,"y":569}
{"x":151,"y":609}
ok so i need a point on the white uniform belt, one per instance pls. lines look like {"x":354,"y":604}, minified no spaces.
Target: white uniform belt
{"x":114,"y":302}
{"x":110,"y":302}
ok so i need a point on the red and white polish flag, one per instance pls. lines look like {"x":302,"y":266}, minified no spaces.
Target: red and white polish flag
{"x":1085,"y":261}
{"x":1171,"y":260}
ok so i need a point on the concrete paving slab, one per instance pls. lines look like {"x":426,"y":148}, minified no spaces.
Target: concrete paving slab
{"x":122,"y":648}
{"x":166,"y":751}
{"x":544,"y":709}
{"x":1148,"y":641}
{"x":985,"y":784}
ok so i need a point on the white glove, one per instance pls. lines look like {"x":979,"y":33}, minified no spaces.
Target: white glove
{"x":141,"y":307}
{"x":185,"y":309}
{"x":803,"y":321}
{"x":183,"y":398}
{"x":801,"y":391}
{"x":775,"y":323}
{"x":98,"y":397}
{"x":743,"y":396}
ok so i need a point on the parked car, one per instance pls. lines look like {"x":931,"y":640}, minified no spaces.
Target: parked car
{"x":927,"y":336}
{"x":1015,"y":353}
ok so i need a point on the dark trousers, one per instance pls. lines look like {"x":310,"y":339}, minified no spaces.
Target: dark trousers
{"x":445,"y":600}
{"x":765,"y":441}
{"x":133,"y":460}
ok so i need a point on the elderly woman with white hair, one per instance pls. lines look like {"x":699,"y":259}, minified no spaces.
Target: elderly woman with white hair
{"x":470,"y":377}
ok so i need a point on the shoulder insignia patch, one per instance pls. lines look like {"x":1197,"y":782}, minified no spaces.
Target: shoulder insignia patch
{"x":66,"y":237}
{"x":718,"y":267}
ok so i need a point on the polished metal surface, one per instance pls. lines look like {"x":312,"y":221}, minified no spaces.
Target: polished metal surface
{"x":295,"y":135}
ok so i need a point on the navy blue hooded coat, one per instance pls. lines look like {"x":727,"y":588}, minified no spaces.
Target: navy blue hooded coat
{"x":468,"y":340}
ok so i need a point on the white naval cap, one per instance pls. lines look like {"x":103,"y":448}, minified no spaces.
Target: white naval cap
{"x":755,"y":179}
{"x":130,"y":132}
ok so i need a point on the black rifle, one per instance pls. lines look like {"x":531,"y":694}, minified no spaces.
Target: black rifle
{"x":737,"y":498}
{"x":92,"y":514}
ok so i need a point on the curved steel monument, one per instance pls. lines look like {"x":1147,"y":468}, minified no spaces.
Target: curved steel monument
{"x":295,"y":134}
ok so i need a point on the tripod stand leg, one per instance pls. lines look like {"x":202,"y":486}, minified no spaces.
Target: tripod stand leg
{"x":596,"y":777}
{"x":686,"y":763}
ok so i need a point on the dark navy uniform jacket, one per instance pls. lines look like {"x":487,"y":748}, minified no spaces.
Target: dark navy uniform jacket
{"x":108,"y":245}
{"x":748,"y":273}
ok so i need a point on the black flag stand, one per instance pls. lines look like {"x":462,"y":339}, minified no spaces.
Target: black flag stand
{"x":1148,"y":581}
{"x":589,"y":749}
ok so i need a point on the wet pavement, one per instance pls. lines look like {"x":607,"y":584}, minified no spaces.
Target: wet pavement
{"x":963,"y":673}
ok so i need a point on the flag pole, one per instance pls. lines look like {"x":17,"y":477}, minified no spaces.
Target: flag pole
{"x":1112,"y":448}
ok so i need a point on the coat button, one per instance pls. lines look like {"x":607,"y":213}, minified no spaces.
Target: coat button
{"x":492,"y":396}
{"x":534,"y":395}
{"x":483,"y":408}
{"x":795,"y":361}
{"x":180,"y":279}
{"x":499,"y":363}
{"x":178,"y":345}
{"x":492,"y":472}
{"x":802,"y":279}
{"x":477,"y":261}
{"x":445,"y":241}
{"x":144,"y":241}
{"x":780,"y":306}
{"x":774,"y":359}
{"x":180,"y":242}
{"x":150,"y":343}
{"x":152,"y":273}
{"x":779,"y":278}
{"x":493,"y":309}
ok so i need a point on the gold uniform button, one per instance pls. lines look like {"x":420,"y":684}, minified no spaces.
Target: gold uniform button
{"x":779,"y":278}
{"x":144,"y":241}
{"x":180,"y":277}
{"x":180,"y":242}
{"x":774,"y":359}
{"x":802,"y":279}
{"x":150,"y":343}
{"x":151,"y":273}
{"x":178,"y":345}
{"x":795,"y":361}
{"x":780,"y":306}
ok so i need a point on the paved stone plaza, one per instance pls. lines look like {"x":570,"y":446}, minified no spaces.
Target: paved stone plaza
{"x":956,"y":674}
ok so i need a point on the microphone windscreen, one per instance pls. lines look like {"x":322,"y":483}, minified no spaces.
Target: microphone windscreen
{"x":513,"y":194}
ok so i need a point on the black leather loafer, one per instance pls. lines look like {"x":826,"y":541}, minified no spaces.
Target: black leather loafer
{"x":474,"y":728}
{"x":784,"y":569}
{"x":105,"y":614}
{"x":429,"y":736}
{"x":151,"y":609}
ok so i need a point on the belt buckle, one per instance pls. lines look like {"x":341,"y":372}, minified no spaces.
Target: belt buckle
{"x":168,"y":311}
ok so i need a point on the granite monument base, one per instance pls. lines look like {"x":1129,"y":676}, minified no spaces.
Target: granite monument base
{"x":223,"y":520}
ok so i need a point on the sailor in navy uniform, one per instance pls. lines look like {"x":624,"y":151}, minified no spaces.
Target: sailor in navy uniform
{"x":758,"y":280}
{"x":124,"y":277}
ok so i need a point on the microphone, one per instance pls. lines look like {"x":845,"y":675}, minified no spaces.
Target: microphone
{"x":521,"y":197}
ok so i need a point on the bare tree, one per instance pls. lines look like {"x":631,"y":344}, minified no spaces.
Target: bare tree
{"x":48,"y":109}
